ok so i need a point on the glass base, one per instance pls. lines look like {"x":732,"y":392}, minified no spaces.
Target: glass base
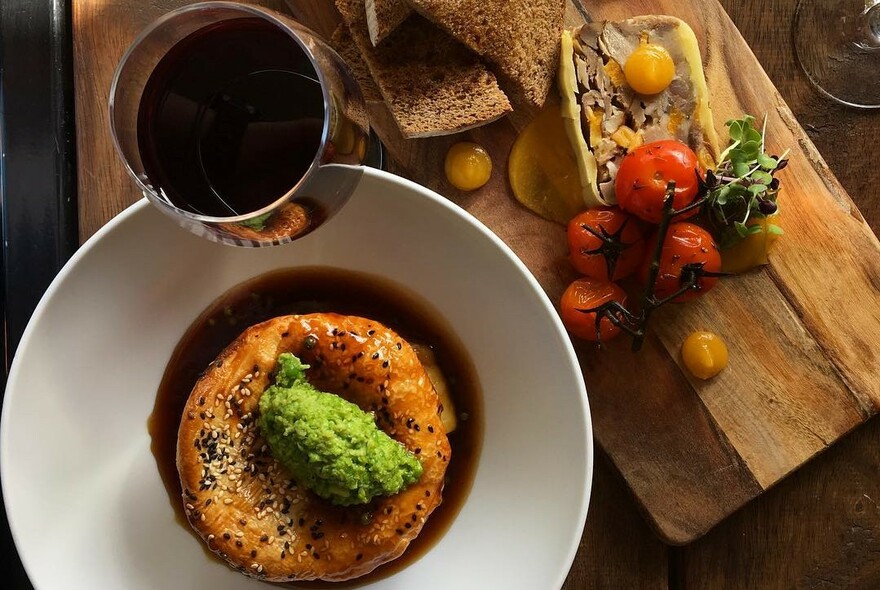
{"x":375,"y":157}
{"x":838,"y":46}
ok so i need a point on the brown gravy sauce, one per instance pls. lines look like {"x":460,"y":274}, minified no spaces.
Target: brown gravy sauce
{"x":320,"y":289}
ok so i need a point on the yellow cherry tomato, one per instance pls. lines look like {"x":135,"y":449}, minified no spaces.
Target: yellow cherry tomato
{"x":468,"y":166}
{"x":704,"y":354}
{"x":649,"y":69}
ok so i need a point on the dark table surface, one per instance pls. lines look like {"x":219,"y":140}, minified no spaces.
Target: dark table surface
{"x":818,"y":529}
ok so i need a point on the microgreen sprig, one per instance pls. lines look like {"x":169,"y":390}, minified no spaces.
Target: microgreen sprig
{"x":743,"y":186}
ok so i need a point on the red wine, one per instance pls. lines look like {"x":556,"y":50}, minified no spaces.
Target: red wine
{"x":230,"y":119}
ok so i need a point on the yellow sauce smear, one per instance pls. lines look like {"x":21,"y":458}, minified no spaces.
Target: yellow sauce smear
{"x":752,"y":251}
{"x":542,"y":169}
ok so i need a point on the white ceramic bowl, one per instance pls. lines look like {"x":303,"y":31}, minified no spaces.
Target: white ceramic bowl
{"x":85,"y":501}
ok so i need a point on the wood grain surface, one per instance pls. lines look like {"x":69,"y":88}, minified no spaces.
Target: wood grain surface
{"x":818,"y":528}
{"x":802,"y":371}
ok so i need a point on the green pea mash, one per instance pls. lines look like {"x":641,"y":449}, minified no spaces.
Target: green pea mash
{"x":328,"y":444}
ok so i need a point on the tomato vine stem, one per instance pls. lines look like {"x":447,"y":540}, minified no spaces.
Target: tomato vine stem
{"x":636,"y":324}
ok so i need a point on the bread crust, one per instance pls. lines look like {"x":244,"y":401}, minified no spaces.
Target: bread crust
{"x":432,"y":84}
{"x":244,"y":505}
{"x":384,"y":16}
{"x":520,"y":38}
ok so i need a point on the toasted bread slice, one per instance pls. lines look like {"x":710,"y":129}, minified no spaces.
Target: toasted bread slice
{"x":432,"y":84}
{"x":383,"y":16}
{"x":520,"y":38}
{"x":605,"y":117}
{"x":344,"y":45}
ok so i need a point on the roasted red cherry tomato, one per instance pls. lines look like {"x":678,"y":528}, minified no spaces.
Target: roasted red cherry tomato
{"x":687,"y":249}
{"x":586,"y":294}
{"x":605,"y":243}
{"x":644,"y":173}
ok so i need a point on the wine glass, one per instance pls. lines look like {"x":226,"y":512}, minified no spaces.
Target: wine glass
{"x":239,"y":123}
{"x":838,"y":45}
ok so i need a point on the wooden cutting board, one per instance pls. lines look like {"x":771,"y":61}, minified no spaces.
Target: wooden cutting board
{"x":802,"y":332}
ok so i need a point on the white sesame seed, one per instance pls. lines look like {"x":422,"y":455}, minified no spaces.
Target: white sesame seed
{"x":239,"y":534}
{"x":227,"y":501}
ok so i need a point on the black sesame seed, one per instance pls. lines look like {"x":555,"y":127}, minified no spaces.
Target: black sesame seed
{"x":385,"y":364}
{"x":227,"y":536}
{"x":399,"y":531}
{"x":253,"y":552}
{"x":316,"y":556}
{"x":264,"y":538}
{"x":359,"y":556}
{"x":375,"y":355}
{"x":431,"y":429}
{"x":239,"y":544}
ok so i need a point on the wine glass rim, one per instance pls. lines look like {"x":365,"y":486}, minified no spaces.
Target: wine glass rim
{"x":257,"y":11}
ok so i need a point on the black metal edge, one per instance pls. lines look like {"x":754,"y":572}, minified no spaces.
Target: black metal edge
{"x":39,"y":229}
{"x":38,"y":164}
